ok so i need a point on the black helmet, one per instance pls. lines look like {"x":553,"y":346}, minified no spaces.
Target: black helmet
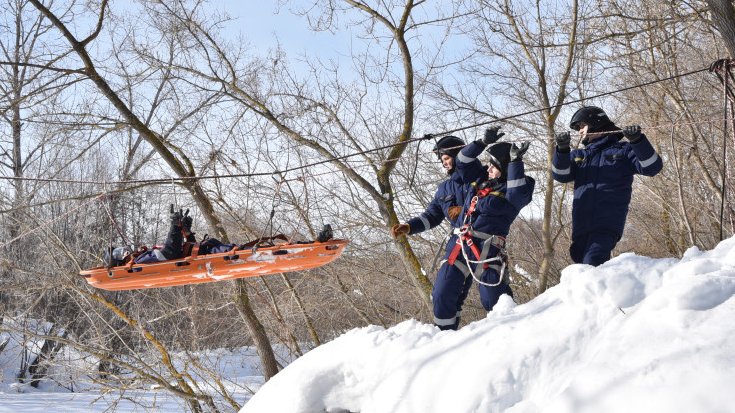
{"x":500,"y":157}
{"x":593,"y":116}
{"x":448,"y":145}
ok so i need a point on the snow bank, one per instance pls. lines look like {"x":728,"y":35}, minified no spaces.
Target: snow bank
{"x":635,"y":334}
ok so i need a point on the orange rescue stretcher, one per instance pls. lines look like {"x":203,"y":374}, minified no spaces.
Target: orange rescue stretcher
{"x":237,"y":263}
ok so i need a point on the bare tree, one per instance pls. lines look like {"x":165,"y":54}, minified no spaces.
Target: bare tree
{"x":29,"y":91}
{"x":528,"y":57}
{"x":170,"y":92}
{"x":178,"y":162}
{"x":723,"y":17}
{"x":682,"y":119}
{"x":329,"y":126}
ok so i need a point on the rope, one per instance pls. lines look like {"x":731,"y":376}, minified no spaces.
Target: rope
{"x":143,"y":183}
{"x":147,"y":182}
{"x":276,"y":198}
{"x":48,"y":223}
{"x":440,"y":250}
{"x":173,"y":187}
{"x":480,"y":264}
{"x":666,"y":125}
{"x":106,"y":205}
{"x":380,"y":148}
{"x":725,"y":66}
{"x":640,"y":85}
{"x":301,"y":178}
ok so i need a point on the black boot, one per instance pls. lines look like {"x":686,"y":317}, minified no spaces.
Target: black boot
{"x":453,"y":326}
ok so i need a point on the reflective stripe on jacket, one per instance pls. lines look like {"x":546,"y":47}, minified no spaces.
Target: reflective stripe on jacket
{"x":451,"y":192}
{"x":496,"y":212}
{"x":602,"y":173}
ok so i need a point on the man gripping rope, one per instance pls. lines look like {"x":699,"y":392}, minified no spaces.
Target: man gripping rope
{"x":602,"y":173}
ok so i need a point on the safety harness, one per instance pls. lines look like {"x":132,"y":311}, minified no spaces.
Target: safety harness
{"x":465,"y":233}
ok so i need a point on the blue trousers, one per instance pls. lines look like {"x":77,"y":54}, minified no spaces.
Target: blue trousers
{"x":489,"y":295}
{"x":451,"y":289}
{"x":593,"y":248}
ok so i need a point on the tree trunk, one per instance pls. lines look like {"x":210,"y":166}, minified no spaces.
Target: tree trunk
{"x":307,"y":320}
{"x":38,"y":368}
{"x":723,"y":16}
{"x":19,"y":194}
{"x":548,"y":242}
{"x":409,"y":258}
{"x":3,"y":344}
{"x":178,"y":167}
{"x":257,"y":331}
{"x":291,"y":336}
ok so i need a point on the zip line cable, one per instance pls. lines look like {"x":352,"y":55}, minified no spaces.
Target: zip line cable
{"x":350,"y":155}
{"x":530,"y":112}
{"x":141,"y":183}
{"x":172,"y":180}
{"x":145,"y":183}
{"x":48,"y":223}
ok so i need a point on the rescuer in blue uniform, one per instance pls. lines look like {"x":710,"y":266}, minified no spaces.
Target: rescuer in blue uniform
{"x":498,"y":193}
{"x":602,"y":173}
{"x":449,"y":196}
{"x":492,"y":202}
{"x":447,"y":202}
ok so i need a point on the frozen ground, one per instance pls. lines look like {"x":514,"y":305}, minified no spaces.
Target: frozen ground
{"x":634,"y":335}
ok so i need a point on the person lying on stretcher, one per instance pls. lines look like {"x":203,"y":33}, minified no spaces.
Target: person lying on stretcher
{"x":180,"y":241}
{"x":172,"y":249}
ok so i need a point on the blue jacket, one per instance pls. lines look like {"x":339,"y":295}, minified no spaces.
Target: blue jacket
{"x":495,"y":212}
{"x":603,"y":180}
{"x":451,"y":192}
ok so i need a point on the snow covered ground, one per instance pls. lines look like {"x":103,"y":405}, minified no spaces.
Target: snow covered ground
{"x":634,"y":335}
{"x":72,"y":389}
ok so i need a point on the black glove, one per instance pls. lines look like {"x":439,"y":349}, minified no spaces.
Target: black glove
{"x":633,"y":133}
{"x":562,"y":141}
{"x":176,"y":216}
{"x":186,"y":221}
{"x":427,"y":136}
{"x":325,"y":234}
{"x":492,"y":135}
{"x":516,"y":152}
